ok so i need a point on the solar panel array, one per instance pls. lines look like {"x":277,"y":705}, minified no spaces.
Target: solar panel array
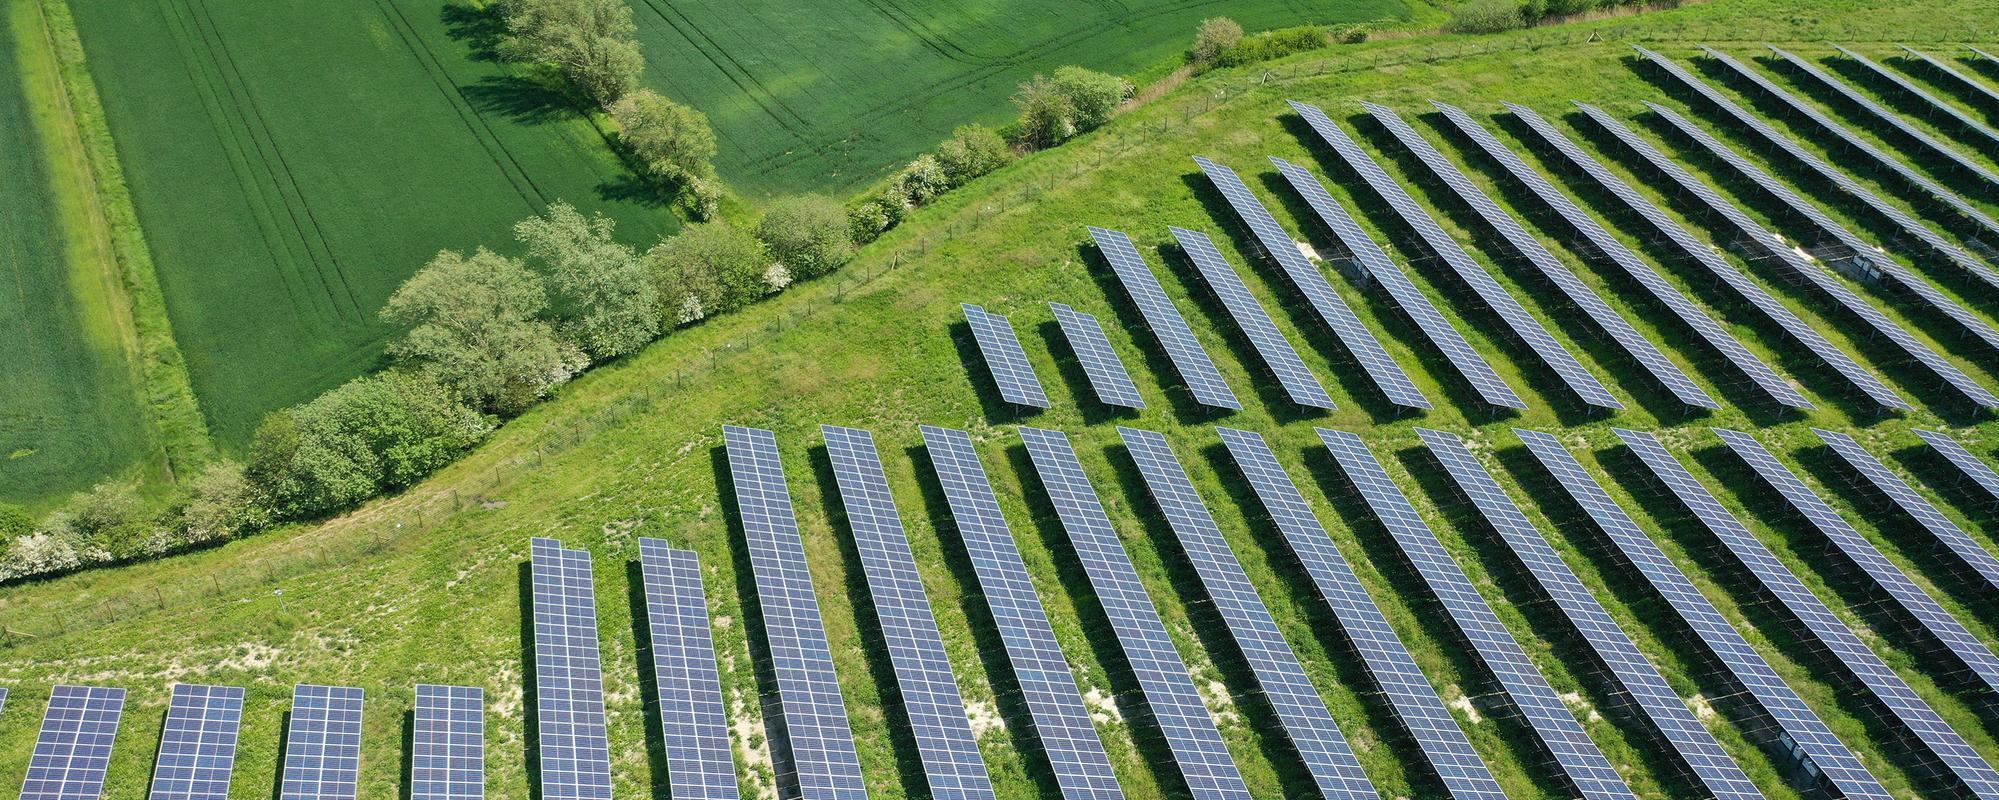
{"x":1867,"y":104}
{"x":569,"y":678}
{"x":1203,"y":381}
{"x":1991,"y":95}
{"x":1609,"y":247}
{"x":1394,"y":670}
{"x":1704,"y":255}
{"x":1982,"y":54}
{"x":1901,"y":220}
{"x":3,"y":698}
{"x":1255,"y":323}
{"x":930,"y":699}
{"x":1915,"y":505}
{"x":1300,"y":709}
{"x":820,"y":745}
{"x":1175,"y":704}
{"x":1516,"y":319}
{"x":1889,"y":578}
{"x":1847,"y":650}
{"x":448,"y":743}
{"x":1669,"y":714}
{"x":1376,"y":264}
{"x":1004,"y":358}
{"x":1592,"y":775}
{"x":1803,"y":732}
{"x":73,"y":750}
{"x":1101,"y":364}
{"x":1977,"y":471}
{"x":1936,"y":104}
{"x":1777,"y":248}
{"x":691,"y":717}
{"x":1306,"y":278}
{"x":197,"y":749}
{"x":1061,"y":720}
{"x":323,"y":744}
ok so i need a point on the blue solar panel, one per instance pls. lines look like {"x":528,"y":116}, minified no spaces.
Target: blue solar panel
{"x":1309,"y":282}
{"x":3,"y":698}
{"x":73,"y":750}
{"x":1802,"y":732}
{"x":691,"y":716}
{"x":1882,"y":114}
{"x":1375,"y":264}
{"x":1061,"y":721}
{"x":1704,"y":254}
{"x":1004,"y":358}
{"x":569,"y":679}
{"x":1613,"y":324}
{"x":1977,"y":87}
{"x":323,"y":744}
{"x":1847,"y":650}
{"x":1669,"y":715}
{"x":1516,"y":318}
{"x":198,"y":743}
{"x":1255,"y":323}
{"x":930,"y":699}
{"x":1589,"y":772}
{"x":1203,"y":381}
{"x":1101,"y":364}
{"x":1170,"y":695}
{"x":820,"y":744}
{"x":1975,"y":470}
{"x":1300,"y":709}
{"x":448,"y":743}
{"x":1937,"y":105}
{"x":1915,"y":505}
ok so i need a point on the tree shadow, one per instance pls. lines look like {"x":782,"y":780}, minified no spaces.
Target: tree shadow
{"x":631,"y":187}
{"x":1070,"y":365}
{"x":996,"y":409}
{"x":530,"y":707}
{"x":481,"y":27}
{"x":523,"y":99}
{"x":655,"y":731}
{"x":1185,"y":409}
{"x":764,"y":668}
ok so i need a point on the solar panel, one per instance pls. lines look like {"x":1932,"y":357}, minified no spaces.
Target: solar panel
{"x":1388,"y":662}
{"x":73,"y":750}
{"x":930,"y":699}
{"x":1255,"y":323}
{"x":820,"y":744}
{"x":198,"y":743}
{"x":1704,"y":254}
{"x":1851,"y":244}
{"x":695,"y":726}
{"x":1588,"y":771}
{"x":1669,"y":715}
{"x":1620,"y":331}
{"x":1777,"y":248}
{"x":1889,"y":578}
{"x":1306,"y":278}
{"x":1882,"y":114}
{"x":569,"y":680}
{"x":323,"y":744}
{"x":1300,"y":709}
{"x":1901,"y":220}
{"x":1979,"y":473}
{"x":1516,"y":319}
{"x":1936,"y":104}
{"x":1203,"y":381}
{"x":1101,"y":364}
{"x":1061,"y":721}
{"x":1601,"y":242}
{"x":1004,"y":358}
{"x":1915,"y":505}
{"x":3,"y":698}
{"x":1170,"y":695}
{"x":1981,"y":54}
{"x":1847,"y":650}
{"x":1802,"y":733}
{"x":1977,"y":87}
{"x":1375,"y":264}
{"x":448,"y":743}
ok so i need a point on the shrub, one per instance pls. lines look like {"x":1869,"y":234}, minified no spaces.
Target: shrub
{"x":476,"y":330}
{"x":867,"y":220}
{"x":922,"y":181}
{"x":609,"y":305}
{"x":972,"y":150}
{"x":1350,"y":34}
{"x":720,"y":266}
{"x":1274,"y":44}
{"x":41,"y":553}
{"x":593,"y":43}
{"x":1047,"y":116}
{"x":370,"y":435}
{"x":1485,"y":16}
{"x":672,"y":143}
{"x":1093,"y":96}
{"x":15,"y":522}
{"x":1214,"y":37}
{"x":808,"y":234}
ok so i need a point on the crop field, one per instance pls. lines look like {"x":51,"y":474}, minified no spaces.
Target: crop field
{"x":819,"y":96}
{"x":292,"y":162}
{"x":430,"y":585}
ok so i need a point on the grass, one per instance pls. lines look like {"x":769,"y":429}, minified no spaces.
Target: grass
{"x":425,"y":586}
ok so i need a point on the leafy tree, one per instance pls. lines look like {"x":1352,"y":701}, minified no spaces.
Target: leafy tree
{"x":371,"y":434}
{"x":807,"y":233}
{"x":972,"y":150}
{"x":1213,"y":38}
{"x":475,"y":329}
{"x":593,"y":43}
{"x":721,"y":267}
{"x":1047,"y":117}
{"x":222,"y":504}
{"x":107,"y":521}
{"x":1093,"y":96}
{"x":1485,"y":16}
{"x":610,"y":306}
{"x":672,"y":142}
{"x":923,"y":180}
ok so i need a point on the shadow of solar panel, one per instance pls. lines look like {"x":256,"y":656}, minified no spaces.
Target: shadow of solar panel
{"x":1905,"y":497}
{"x":1203,"y":381}
{"x":1004,"y":358}
{"x":1170,"y":696}
{"x":1980,"y":474}
{"x":1937,"y":105}
{"x":1101,"y":364}
{"x":73,"y":750}
{"x":448,"y":743}
{"x":1882,"y":114}
{"x":197,"y":749}
{"x":1976,"y":86}
{"x":699,"y":765}
{"x":1801,"y":732}
{"x":1297,"y":380}
{"x":323,"y":744}
{"x":569,"y":679}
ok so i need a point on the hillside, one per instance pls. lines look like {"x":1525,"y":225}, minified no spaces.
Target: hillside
{"x":429,"y":586}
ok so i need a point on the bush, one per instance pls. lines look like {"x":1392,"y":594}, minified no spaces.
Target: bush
{"x":721,"y":267}
{"x":593,"y":43}
{"x":922,"y":181}
{"x":221,"y":504}
{"x":1214,"y":37}
{"x":370,"y":435}
{"x":1047,"y":117}
{"x":43,"y":553}
{"x":1350,"y":34}
{"x":1485,"y":16}
{"x":15,"y":522}
{"x":672,"y":143}
{"x":1093,"y":96}
{"x":972,"y":150}
{"x":476,"y":330}
{"x":103,"y":523}
{"x":808,"y":234}
{"x":867,"y":220}
{"x":1274,"y":44}
{"x":609,"y":305}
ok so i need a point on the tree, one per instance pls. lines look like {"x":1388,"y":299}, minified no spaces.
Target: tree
{"x":672,"y":143}
{"x":610,"y":306}
{"x":475,"y":329}
{"x":1093,"y":96}
{"x":1047,"y":117}
{"x":1213,"y":38}
{"x":923,"y":180}
{"x":807,"y":233}
{"x":1485,"y":16}
{"x":371,"y":434}
{"x":593,"y":43}
{"x":972,"y":150}
{"x":722,"y":268}
{"x":222,"y":504}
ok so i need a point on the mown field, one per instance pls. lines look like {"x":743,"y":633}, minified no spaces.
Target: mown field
{"x":293,"y":162}
{"x":427,"y":586}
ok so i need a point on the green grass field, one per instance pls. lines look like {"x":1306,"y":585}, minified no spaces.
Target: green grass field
{"x":427,"y":586}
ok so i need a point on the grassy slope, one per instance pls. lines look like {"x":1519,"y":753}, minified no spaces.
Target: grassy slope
{"x":424,"y":587}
